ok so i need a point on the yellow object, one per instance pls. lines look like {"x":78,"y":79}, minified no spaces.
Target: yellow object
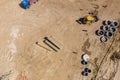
{"x":90,"y":18}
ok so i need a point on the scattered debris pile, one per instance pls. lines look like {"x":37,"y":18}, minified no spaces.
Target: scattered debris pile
{"x":87,"y":19}
{"x":107,"y":30}
{"x":91,"y":18}
{"x":86,"y":71}
{"x":85,"y":59}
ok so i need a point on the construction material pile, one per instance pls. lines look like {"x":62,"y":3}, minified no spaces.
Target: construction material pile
{"x":107,"y":30}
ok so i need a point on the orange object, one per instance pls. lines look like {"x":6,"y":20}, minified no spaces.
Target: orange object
{"x":22,"y":76}
{"x":32,"y":1}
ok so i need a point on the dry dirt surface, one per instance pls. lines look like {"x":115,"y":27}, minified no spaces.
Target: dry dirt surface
{"x":22,"y":59}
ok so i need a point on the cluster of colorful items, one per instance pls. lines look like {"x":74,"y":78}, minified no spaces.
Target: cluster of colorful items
{"x":27,"y":3}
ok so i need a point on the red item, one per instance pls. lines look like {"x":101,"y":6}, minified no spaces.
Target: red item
{"x":32,"y":1}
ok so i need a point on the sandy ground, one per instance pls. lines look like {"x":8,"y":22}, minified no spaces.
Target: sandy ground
{"x":21,"y":29}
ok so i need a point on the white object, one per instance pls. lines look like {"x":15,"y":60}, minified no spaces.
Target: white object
{"x":86,"y":57}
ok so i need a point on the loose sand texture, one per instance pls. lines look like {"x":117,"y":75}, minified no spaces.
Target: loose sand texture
{"x":22,"y":59}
